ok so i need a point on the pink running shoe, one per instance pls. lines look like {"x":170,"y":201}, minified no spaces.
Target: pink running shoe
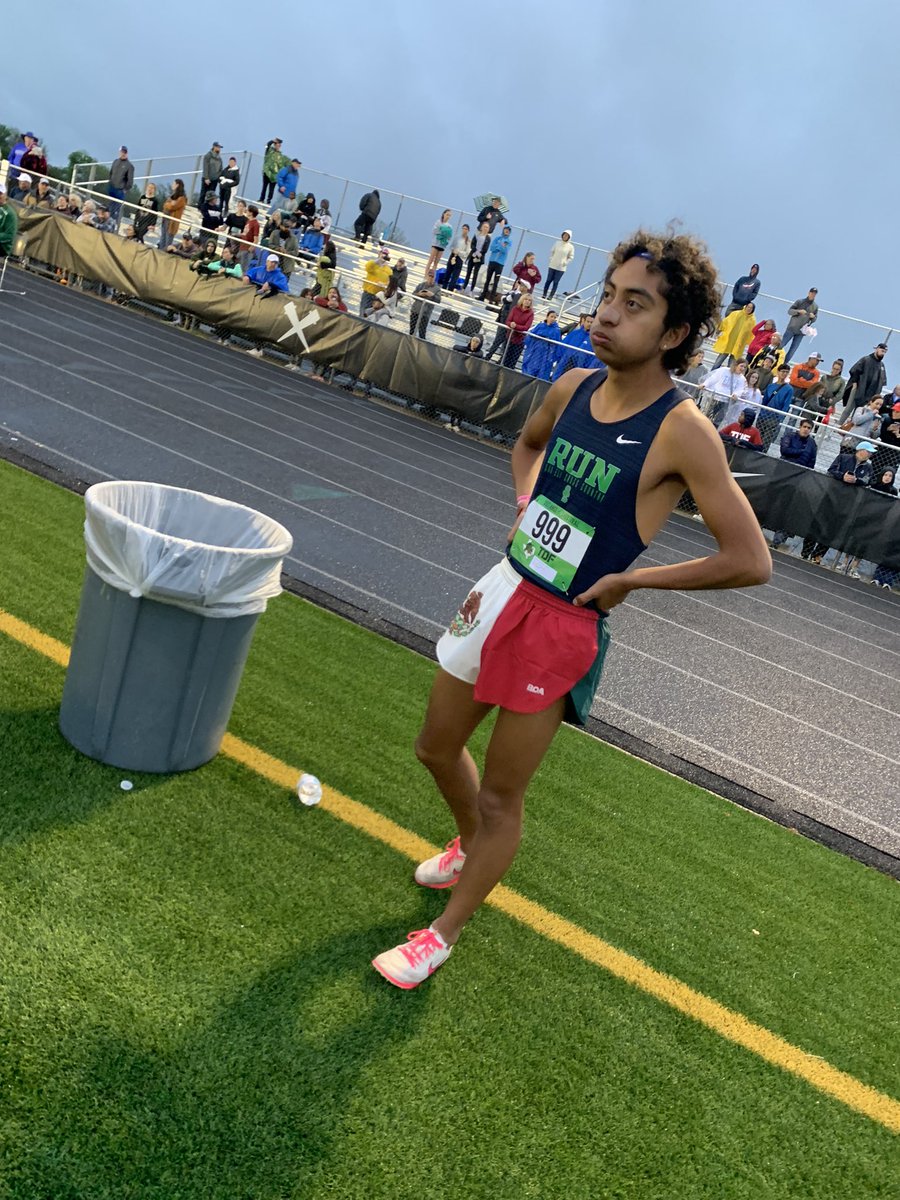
{"x":441,"y":871}
{"x":409,"y":964}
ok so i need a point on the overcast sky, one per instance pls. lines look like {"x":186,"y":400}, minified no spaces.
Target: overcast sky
{"x":767,"y":129}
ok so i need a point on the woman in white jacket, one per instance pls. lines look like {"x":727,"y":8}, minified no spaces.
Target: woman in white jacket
{"x":561,"y":255}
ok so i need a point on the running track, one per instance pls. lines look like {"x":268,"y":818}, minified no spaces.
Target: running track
{"x":789,"y":690}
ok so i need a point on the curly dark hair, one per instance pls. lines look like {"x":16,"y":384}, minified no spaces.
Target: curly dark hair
{"x":689,"y":284}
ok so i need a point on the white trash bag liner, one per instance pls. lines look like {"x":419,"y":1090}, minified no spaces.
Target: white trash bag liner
{"x":200,"y":553}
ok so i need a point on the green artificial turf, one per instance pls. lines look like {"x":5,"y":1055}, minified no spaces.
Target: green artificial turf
{"x":187,"y":1008}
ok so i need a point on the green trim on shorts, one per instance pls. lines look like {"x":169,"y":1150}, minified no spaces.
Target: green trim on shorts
{"x":581,"y":696}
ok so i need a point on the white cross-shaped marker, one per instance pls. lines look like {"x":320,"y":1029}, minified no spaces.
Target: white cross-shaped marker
{"x":297,"y":326}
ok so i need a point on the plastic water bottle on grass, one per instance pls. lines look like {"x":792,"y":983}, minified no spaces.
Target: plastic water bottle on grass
{"x":309,"y":790}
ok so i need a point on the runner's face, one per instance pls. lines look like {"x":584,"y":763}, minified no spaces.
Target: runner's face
{"x":628,"y":328}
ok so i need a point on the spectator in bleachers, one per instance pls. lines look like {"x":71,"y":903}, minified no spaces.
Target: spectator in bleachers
{"x":287,"y":183}
{"x":61,"y":207}
{"x":834,"y":384}
{"x":226,"y":264}
{"x":267,"y":277}
{"x":805,"y":374}
{"x":283,"y":242}
{"x":104,"y":222}
{"x":527,"y":271}
{"x":369,"y":212}
{"x":888,"y":453}
{"x":491,"y":214}
{"x":763,"y":332}
{"x":312,"y":241}
{"x":724,"y":385}
{"x":865,"y":421}
{"x":324,"y":215}
{"x":121,"y":180}
{"x":456,"y":256}
{"x":867,"y":376}
{"x":766,"y":368}
{"x":306,"y":212}
{"x":16,"y":154}
{"x":798,"y":446}
{"x":890,"y":401}
{"x":561,"y":254}
{"x":378,"y":312}
{"x":273,"y":223}
{"x":440,"y":239}
{"x":512,"y":297}
{"x":774,"y":349}
{"x":751,"y":397}
{"x":854,"y":469}
{"x":228,"y":181}
{"x":777,"y":398}
{"x":273,"y":161}
{"x":331,"y":299}
{"x":211,"y":215}
{"x":744,"y":290}
{"x":326,"y":264}
{"x":34,"y":161}
{"x":743,"y":431}
{"x":9,"y":223}
{"x":184,"y":248}
{"x":519,"y":321}
{"x":204,"y":256}
{"x":173,"y":206}
{"x":576,"y":349}
{"x":250,"y":236}
{"x":426,"y":295}
{"x":802,"y":313}
{"x":44,"y":196}
{"x":472,"y":347}
{"x":22,"y":191}
{"x":87,"y":215}
{"x":479,"y":249}
{"x":497,"y":256}
{"x":236,"y":222}
{"x":541,"y":349}
{"x":211,"y":171}
{"x":734,"y":334}
{"x":398,"y":280}
{"x":146,"y":219}
{"x":378,"y":276}
{"x":814,"y":403}
{"x":693,"y":373}
{"x":885,"y":577}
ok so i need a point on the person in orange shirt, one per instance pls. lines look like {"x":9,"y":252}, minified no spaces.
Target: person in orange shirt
{"x":805,"y":374}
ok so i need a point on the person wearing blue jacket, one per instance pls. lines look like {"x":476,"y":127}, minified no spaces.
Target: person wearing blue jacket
{"x":797,"y":446}
{"x":312,"y":242}
{"x":497,"y":256}
{"x":578,"y":350}
{"x":778,"y":396}
{"x":286,"y":183}
{"x":540,"y":347}
{"x":267,"y":277}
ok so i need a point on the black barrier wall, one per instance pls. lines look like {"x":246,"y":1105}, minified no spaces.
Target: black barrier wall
{"x":783,"y":496}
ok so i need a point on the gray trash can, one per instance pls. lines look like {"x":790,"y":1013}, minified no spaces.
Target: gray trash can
{"x":174,"y":586}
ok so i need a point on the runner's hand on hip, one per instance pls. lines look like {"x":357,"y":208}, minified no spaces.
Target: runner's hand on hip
{"x":606,"y":593}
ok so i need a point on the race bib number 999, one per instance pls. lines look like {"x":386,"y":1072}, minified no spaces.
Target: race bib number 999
{"x":550,"y":542}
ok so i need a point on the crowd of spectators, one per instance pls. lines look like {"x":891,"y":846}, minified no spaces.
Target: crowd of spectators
{"x":760,"y":392}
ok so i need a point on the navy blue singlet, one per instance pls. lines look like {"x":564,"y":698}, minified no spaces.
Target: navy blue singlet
{"x":581,"y":522}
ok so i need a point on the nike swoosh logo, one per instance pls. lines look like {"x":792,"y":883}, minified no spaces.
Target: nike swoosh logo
{"x":626,"y":441}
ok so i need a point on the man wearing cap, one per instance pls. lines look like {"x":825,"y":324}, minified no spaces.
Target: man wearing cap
{"x":22,"y":191}
{"x":805,"y":374}
{"x":104,"y":222}
{"x":17,"y":153}
{"x":211,"y":170}
{"x":287,"y":182}
{"x":802,"y":312}
{"x":378,"y":276}
{"x":267,"y":277}
{"x":9,"y":224}
{"x":867,"y":377}
{"x":121,"y":180}
{"x":184,"y":248}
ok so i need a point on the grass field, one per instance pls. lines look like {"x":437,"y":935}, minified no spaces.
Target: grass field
{"x":188,"y":1011}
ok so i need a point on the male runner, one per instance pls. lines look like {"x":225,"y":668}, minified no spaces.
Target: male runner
{"x":597,"y":470}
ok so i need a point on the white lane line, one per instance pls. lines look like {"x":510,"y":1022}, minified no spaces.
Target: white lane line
{"x":277,"y":435}
{"x":715,"y":753}
{"x":364,"y":591}
{"x":778,"y":712}
{"x":237,"y":479}
{"x":399,"y":423}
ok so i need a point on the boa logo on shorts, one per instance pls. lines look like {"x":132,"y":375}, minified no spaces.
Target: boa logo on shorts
{"x":467,"y":618}
{"x":533,"y":687}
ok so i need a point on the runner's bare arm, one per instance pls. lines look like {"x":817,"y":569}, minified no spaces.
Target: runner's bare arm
{"x":742,"y":559}
{"x":528,"y":451}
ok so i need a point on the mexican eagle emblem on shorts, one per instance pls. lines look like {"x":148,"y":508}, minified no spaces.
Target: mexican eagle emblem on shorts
{"x":467,"y":618}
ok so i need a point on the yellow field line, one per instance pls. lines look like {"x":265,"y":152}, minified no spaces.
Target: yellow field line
{"x":724,"y":1021}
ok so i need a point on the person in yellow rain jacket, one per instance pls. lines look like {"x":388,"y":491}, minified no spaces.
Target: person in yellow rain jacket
{"x":734,"y":334}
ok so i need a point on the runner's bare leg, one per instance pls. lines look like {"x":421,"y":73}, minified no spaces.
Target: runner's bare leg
{"x":517,"y":745}
{"x":451,"y":719}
